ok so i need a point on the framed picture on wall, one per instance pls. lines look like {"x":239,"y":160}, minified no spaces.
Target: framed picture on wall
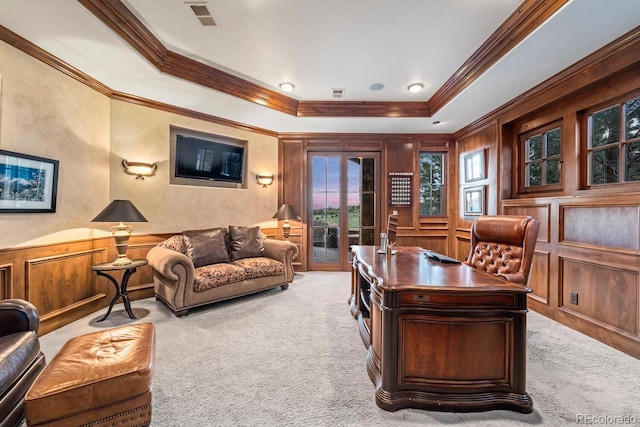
{"x":27,"y":183}
{"x":474,"y":166}
{"x":474,"y":200}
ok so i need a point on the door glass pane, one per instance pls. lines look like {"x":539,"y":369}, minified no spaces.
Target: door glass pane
{"x":368,"y":210}
{"x":325,"y":196}
{"x":329,"y":190}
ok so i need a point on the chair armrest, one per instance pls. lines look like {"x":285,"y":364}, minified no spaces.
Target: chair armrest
{"x":171,"y":264}
{"x":283,"y":251}
{"x":18,"y":315}
{"x":515,"y":277}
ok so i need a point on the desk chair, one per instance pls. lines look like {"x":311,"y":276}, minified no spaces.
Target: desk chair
{"x":503,"y":245}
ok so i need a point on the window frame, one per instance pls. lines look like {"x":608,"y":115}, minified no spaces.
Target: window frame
{"x":443,"y":195}
{"x":523,"y":163}
{"x":621,"y":144}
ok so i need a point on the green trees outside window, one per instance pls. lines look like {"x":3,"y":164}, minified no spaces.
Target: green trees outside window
{"x":614,"y":143}
{"x":542,"y":157}
{"x":432,"y":190}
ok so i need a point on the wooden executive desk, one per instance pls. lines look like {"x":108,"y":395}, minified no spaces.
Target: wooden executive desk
{"x":440,"y":336}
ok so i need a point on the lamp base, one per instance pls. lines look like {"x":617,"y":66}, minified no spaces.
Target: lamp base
{"x":122,"y":261}
{"x":121,"y":235}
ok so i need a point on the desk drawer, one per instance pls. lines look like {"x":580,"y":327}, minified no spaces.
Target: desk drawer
{"x":442,"y":299}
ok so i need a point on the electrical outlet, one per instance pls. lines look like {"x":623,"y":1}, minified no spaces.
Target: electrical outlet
{"x":573,"y":298}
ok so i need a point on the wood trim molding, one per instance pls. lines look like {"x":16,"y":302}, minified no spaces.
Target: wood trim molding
{"x":56,"y":63}
{"x":123,"y":22}
{"x":121,"y":96}
{"x":529,"y":15}
{"x":522,"y":22}
{"x":363,"y":108}
{"x":614,"y":57}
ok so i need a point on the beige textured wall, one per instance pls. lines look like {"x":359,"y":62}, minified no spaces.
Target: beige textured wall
{"x":142,"y":134}
{"x":45,"y":113}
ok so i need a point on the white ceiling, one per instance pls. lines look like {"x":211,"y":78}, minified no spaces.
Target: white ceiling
{"x":322,"y":45}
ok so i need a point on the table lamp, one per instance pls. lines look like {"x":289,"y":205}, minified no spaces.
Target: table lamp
{"x":285,"y":213}
{"x":120,"y":211}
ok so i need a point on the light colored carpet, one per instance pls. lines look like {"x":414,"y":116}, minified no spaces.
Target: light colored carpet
{"x":295,"y":358}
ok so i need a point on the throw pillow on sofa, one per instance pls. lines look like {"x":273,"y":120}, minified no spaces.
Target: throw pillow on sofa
{"x":245,"y":242}
{"x":206,"y":247}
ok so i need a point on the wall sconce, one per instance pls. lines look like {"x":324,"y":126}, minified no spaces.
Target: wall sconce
{"x":264,"y":180}
{"x":139,"y":169}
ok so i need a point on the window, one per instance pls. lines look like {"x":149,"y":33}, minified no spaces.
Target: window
{"x":541,"y":150}
{"x":432,"y":192}
{"x":614,"y":143}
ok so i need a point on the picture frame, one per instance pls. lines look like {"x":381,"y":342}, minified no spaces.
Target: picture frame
{"x":474,"y":201}
{"x":28,"y":184}
{"x":474,"y":166}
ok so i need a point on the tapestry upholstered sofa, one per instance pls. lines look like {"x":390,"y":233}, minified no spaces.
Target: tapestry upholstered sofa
{"x":199,"y":267}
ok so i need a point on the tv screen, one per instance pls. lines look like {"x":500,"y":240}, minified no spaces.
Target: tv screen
{"x":208,"y":160}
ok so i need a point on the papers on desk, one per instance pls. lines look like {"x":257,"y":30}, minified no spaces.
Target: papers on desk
{"x":441,"y":258}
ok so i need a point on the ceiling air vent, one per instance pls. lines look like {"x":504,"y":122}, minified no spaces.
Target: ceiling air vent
{"x":338,"y":93}
{"x":203,"y":14}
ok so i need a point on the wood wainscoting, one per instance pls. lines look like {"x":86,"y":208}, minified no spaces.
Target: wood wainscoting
{"x":586,"y":267}
{"x":57,"y":278}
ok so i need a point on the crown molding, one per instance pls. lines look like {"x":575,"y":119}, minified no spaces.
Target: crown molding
{"x":522,"y":22}
{"x":56,"y":63}
{"x":29,"y":48}
{"x":529,"y":15}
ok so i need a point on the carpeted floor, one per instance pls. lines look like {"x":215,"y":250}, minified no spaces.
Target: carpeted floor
{"x":295,"y":358}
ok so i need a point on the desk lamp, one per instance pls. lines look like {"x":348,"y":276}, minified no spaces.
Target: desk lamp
{"x":120,"y":211}
{"x":285,"y":213}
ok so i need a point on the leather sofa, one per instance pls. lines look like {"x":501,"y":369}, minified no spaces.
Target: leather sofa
{"x":20,"y":357}
{"x":200,"y":267}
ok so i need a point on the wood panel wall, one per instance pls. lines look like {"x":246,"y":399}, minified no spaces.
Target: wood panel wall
{"x":586,"y":267}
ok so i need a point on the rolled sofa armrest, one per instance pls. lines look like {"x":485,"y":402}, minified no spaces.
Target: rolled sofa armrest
{"x":171,"y":264}
{"x":18,"y":315}
{"x":283,"y":251}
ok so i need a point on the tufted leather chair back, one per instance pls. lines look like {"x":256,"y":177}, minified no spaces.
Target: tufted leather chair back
{"x":503,"y":245}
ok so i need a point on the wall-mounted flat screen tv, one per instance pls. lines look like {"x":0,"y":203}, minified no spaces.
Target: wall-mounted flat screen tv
{"x":208,"y":160}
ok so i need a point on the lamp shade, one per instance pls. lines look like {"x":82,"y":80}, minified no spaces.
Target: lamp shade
{"x":286,"y":212}
{"x":120,"y":211}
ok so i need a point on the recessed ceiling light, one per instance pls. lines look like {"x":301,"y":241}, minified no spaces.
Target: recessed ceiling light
{"x":287,"y":87}
{"x":376,"y":86}
{"x":436,"y":122}
{"x":415,"y":87}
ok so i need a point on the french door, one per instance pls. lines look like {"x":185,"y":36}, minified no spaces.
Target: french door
{"x":344,"y":199}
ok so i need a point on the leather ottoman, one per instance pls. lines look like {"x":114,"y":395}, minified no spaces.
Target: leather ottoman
{"x":98,"y":379}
